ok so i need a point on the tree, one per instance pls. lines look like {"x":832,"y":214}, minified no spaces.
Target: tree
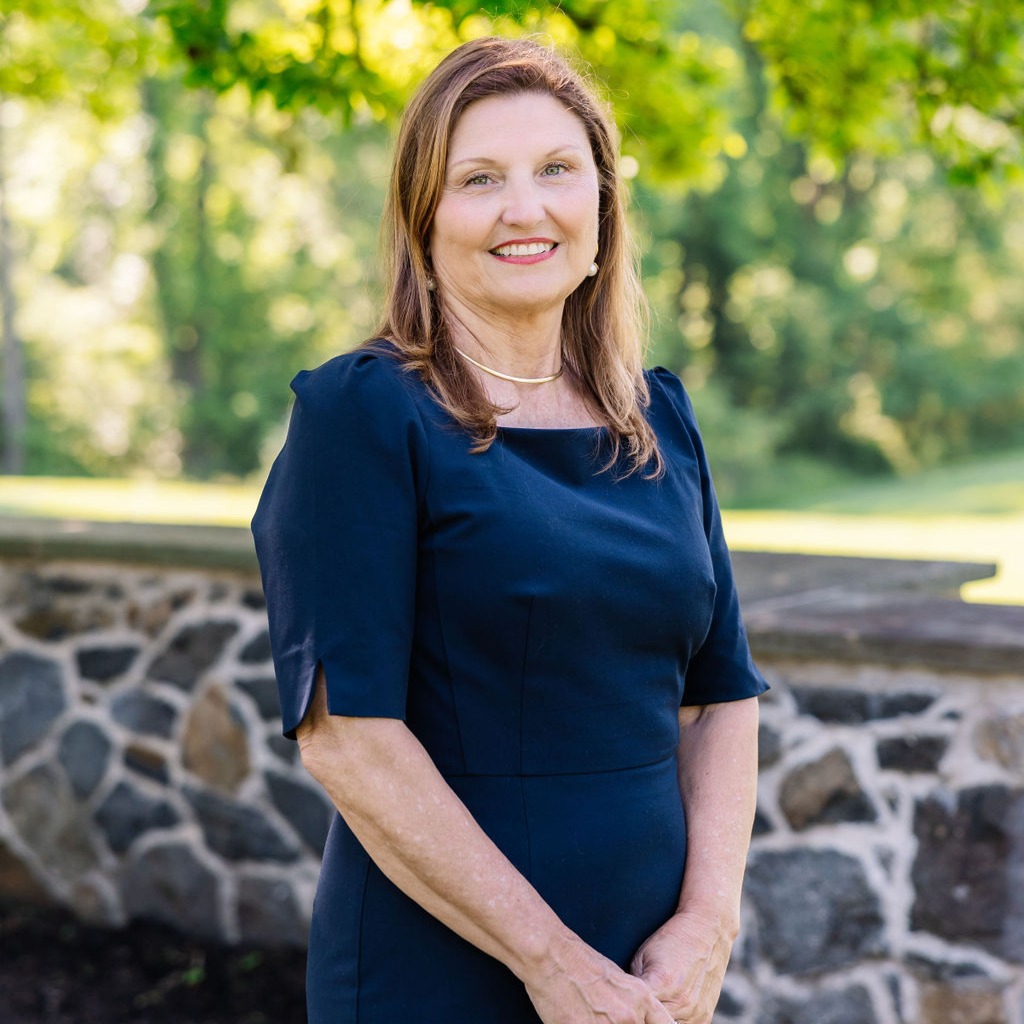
{"x":49,"y":52}
{"x":853,"y":306}
{"x":842,"y":77}
{"x":767,"y":142}
{"x":14,"y":416}
{"x":854,"y":77}
{"x":358,"y":60}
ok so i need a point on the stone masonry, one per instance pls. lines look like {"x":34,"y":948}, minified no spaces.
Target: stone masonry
{"x":142,"y":771}
{"x":142,"y":774}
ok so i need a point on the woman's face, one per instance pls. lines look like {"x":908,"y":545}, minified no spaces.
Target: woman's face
{"x":516,"y":228}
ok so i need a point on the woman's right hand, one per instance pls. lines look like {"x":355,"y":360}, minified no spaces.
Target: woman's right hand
{"x":577,"y":985}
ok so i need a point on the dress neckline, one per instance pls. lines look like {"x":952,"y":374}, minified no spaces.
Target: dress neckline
{"x":589,"y":428}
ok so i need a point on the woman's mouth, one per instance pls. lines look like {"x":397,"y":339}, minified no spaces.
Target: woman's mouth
{"x":524,"y":252}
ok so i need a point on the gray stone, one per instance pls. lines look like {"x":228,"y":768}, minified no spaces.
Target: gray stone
{"x":912,"y":753}
{"x":263,"y":692}
{"x":287,"y":750}
{"x":192,"y":652}
{"x":256,"y":650}
{"x":59,"y":621}
{"x":815,"y":910}
{"x":269,"y":914}
{"x":832,"y":704}
{"x":31,"y":698}
{"x":968,"y":875}
{"x":143,"y":713}
{"x":769,"y":746}
{"x":152,"y":616}
{"x":762,"y":824}
{"x":93,"y":902}
{"x":947,"y":971}
{"x":824,"y":792}
{"x":105,"y":663}
{"x":60,"y":584}
{"x":150,"y":763}
{"x":853,"y":707}
{"x":849,"y":1006}
{"x":128,"y":813}
{"x":961,"y":1000}
{"x":1000,"y":738}
{"x":170,"y":884}
{"x":236,"y":831}
{"x":304,"y":808}
{"x":84,"y":753}
{"x":216,"y":746}
{"x":254,"y":599}
{"x":894,"y":984}
{"x":729,"y":1005}
{"x":51,"y":821}
{"x":892,"y":705}
{"x":17,"y":883}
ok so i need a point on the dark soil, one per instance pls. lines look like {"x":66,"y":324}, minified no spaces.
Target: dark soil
{"x":55,"y":970}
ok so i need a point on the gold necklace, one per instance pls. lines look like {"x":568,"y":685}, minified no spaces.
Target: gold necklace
{"x":508,"y":376}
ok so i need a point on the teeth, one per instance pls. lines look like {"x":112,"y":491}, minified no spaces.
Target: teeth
{"x":530,"y":249}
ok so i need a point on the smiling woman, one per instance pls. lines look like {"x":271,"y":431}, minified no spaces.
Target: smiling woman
{"x":515,"y":231}
{"x":506,"y":145}
{"x":502,"y":612}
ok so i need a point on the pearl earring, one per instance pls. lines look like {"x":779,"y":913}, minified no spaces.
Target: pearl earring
{"x":431,"y":284}
{"x":592,"y":272}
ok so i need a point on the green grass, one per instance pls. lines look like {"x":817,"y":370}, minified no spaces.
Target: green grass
{"x":129,"y":501}
{"x":970,"y":512}
{"x":987,"y":486}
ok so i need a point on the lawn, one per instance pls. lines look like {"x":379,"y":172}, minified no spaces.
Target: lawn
{"x":973,"y":512}
{"x":129,"y":501}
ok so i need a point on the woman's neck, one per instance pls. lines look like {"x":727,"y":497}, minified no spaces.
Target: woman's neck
{"x":529,"y":348}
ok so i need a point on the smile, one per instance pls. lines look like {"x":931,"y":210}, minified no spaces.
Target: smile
{"x":521,"y":249}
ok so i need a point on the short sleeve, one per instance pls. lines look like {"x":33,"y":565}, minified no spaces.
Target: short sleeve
{"x":722,"y":668}
{"x":336,"y":537}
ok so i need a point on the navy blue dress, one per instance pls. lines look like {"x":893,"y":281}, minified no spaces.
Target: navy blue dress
{"x":537,"y":623}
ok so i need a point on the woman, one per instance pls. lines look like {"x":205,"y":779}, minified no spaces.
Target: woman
{"x":502,"y":613}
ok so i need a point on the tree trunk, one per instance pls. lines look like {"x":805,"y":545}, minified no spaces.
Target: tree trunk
{"x":14,"y":417}
{"x":182,"y":262}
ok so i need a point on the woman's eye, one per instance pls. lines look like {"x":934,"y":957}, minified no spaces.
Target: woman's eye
{"x":553,"y":170}
{"x":478,"y":179}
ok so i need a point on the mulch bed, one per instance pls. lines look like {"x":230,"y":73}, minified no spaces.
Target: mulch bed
{"x":55,"y":970}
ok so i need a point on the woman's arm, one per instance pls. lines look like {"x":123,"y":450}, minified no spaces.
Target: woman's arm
{"x":424,"y":839}
{"x":685,"y":960}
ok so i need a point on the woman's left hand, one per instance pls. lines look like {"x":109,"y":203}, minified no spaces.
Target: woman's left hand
{"x":684,"y":963}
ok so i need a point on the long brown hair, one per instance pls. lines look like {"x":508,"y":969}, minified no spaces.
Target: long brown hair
{"x":604,"y":320}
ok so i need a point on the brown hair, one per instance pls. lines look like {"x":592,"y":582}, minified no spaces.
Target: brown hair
{"x":604,"y":320}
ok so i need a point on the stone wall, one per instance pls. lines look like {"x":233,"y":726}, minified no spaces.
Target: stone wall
{"x":886,"y":878}
{"x":142,"y":773}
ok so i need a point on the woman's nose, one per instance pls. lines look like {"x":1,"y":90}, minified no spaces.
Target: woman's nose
{"x":523,"y":204}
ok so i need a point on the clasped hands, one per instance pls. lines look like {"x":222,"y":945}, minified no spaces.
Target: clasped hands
{"x":684,"y":964}
{"x":675,"y":976}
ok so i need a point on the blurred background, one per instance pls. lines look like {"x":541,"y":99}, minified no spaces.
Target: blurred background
{"x":829,"y":198}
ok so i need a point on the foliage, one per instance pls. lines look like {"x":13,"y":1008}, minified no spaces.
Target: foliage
{"x":870,"y":318}
{"x":852,"y":76}
{"x":89,"y":49}
{"x":359,"y":60}
{"x":828,"y":194}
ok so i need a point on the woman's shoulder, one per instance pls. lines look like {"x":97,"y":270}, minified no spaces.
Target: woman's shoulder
{"x":669,"y":395}
{"x":370,"y":379}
